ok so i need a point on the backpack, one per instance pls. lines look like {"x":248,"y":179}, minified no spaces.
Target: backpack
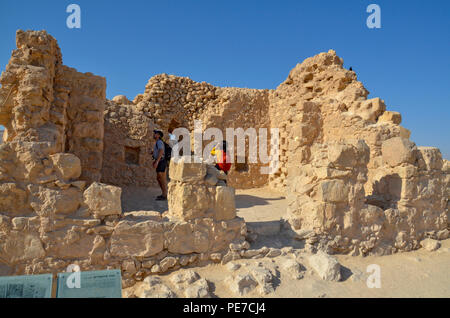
{"x":167,"y":151}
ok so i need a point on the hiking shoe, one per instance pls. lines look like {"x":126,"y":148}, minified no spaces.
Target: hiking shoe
{"x":161,"y":198}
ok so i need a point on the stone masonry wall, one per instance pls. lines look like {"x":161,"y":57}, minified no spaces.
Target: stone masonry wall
{"x":355,"y":182}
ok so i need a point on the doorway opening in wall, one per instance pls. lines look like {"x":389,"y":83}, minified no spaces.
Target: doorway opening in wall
{"x":240,"y":166}
{"x":132,"y":155}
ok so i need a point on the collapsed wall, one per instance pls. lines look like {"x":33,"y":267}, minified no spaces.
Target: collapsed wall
{"x":325,"y":110}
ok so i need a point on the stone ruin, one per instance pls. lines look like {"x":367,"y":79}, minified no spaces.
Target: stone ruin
{"x":354,"y":181}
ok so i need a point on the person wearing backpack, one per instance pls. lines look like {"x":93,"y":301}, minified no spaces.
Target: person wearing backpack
{"x":160,"y":163}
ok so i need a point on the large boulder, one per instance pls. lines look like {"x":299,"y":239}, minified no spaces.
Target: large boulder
{"x":103,"y":200}
{"x":326,"y":266}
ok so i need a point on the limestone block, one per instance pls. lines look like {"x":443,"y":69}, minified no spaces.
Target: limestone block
{"x":49,"y":202}
{"x":326,"y":266}
{"x":103,"y":199}
{"x":17,"y":246}
{"x":189,"y":201}
{"x":344,"y":155}
{"x":186,"y":238}
{"x":369,"y":109}
{"x":430,"y":244}
{"x":67,"y":166}
{"x":186,"y":172}
{"x":430,"y":158}
{"x":397,"y":150}
{"x":13,"y":200}
{"x":137,"y":239}
{"x":121,"y":99}
{"x":390,"y":117}
{"x":69,"y":244}
{"x":225,"y":206}
{"x":333,"y":191}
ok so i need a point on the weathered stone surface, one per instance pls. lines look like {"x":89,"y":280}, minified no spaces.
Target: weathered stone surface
{"x":430,"y":244}
{"x":19,"y":246}
{"x":200,"y":289}
{"x":121,"y":99}
{"x":189,"y":201}
{"x":48,"y":202}
{"x":137,"y":239}
{"x":292,"y":267}
{"x":154,"y":288}
{"x":264,"y":277}
{"x":103,"y":199}
{"x":241,"y":284}
{"x":225,"y":207}
{"x":67,"y":166}
{"x":186,"y":238}
{"x":430,"y":158}
{"x":185,"y":278}
{"x":390,"y":117}
{"x":167,"y":263}
{"x":326,"y":266}
{"x":13,"y":200}
{"x":334,"y":191}
{"x":397,"y":151}
{"x":187,"y":172}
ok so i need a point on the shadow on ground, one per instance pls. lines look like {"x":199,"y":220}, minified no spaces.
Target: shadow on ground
{"x":244,"y":201}
{"x":142,"y":199}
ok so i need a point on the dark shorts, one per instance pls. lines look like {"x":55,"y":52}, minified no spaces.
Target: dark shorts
{"x":162,"y":165}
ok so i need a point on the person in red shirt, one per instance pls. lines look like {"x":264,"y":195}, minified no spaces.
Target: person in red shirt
{"x":223,"y":160}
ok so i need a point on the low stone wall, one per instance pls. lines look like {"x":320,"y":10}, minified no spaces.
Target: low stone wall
{"x":329,"y":209}
{"x":58,"y":226}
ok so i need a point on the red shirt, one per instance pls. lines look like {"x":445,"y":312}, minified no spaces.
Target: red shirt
{"x":223,"y":160}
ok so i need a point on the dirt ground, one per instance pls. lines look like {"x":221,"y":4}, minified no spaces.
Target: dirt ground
{"x":418,"y":273}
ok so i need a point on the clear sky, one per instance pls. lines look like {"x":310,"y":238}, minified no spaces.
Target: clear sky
{"x":255,"y":43}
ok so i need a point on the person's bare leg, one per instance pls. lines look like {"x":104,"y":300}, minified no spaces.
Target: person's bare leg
{"x":158,"y":178}
{"x":163,"y":184}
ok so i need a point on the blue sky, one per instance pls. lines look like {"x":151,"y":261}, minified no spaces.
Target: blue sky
{"x":255,"y":43}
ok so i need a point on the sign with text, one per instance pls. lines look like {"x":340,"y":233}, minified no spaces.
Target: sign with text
{"x":33,"y":286}
{"x":93,"y":284}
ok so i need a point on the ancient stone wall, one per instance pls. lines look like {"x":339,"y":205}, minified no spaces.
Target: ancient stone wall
{"x":356,"y":184}
{"x":329,"y":209}
{"x":173,"y":102}
{"x":128,"y":142}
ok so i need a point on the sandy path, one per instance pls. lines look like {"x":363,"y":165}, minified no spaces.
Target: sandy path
{"x":415,"y":274}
